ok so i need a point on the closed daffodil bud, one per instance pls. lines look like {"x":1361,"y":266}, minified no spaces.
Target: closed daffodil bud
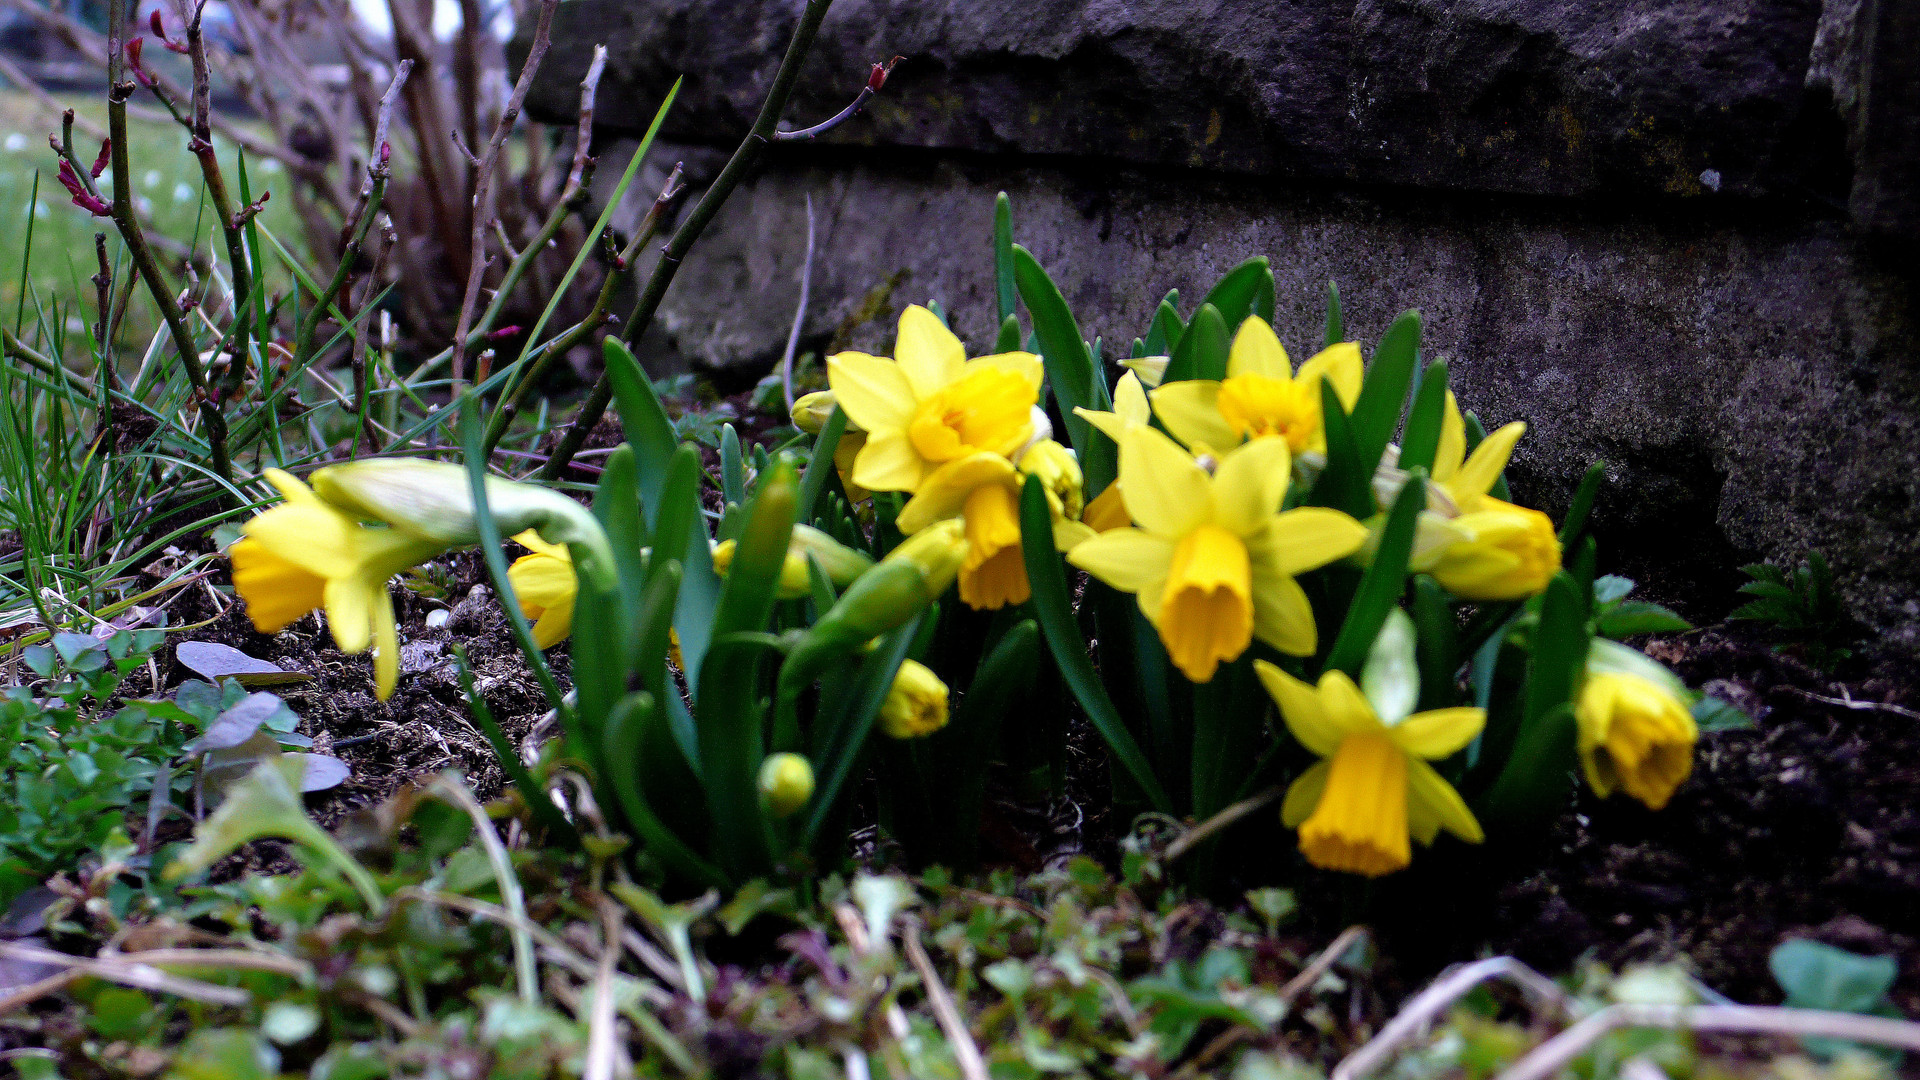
{"x":811,"y":411}
{"x":786,"y":783}
{"x":841,"y":563}
{"x":916,"y":706}
{"x":433,"y":500}
{"x":937,"y":552}
{"x":1502,"y":552}
{"x":1057,"y":468}
{"x":1636,"y":732}
{"x":1391,"y":678}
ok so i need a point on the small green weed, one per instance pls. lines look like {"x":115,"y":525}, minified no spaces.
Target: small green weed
{"x":1802,"y":605}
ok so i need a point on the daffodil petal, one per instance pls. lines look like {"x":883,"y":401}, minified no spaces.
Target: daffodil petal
{"x":350,"y":613}
{"x":1340,"y":364}
{"x":1453,"y":441}
{"x":874,"y":391}
{"x":888,"y":463}
{"x":1190,"y":410}
{"x":290,"y":486}
{"x":1345,"y":704}
{"x":1250,"y":485}
{"x":1024,"y":364}
{"x":553,"y":626}
{"x":1111,"y":424}
{"x":1307,"y":538}
{"x":943,"y":493}
{"x":1127,"y":559}
{"x":1300,"y":708}
{"x":1489,"y":460}
{"x":530,"y":540}
{"x":276,"y":591}
{"x":1165,"y":490}
{"x":1439,"y":732}
{"x":386,"y":644}
{"x":1282,"y":615}
{"x":1303,"y":795}
{"x":542,"y":582}
{"x":927,"y":352}
{"x":1431,"y":792}
{"x":1068,"y":535}
{"x":316,"y":538}
{"x":1130,"y":399}
{"x":1257,"y":351}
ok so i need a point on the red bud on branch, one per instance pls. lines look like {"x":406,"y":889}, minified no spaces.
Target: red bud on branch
{"x":140,"y":73}
{"x":82,"y":198}
{"x":100,"y":163}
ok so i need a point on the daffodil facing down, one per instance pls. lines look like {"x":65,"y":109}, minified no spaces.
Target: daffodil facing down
{"x":810,"y":415}
{"x":545,"y":585}
{"x":916,"y":705}
{"x":1636,"y":731}
{"x":1212,"y":559}
{"x":983,"y":490}
{"x":1373,"y":790}
{"x":930,"y":405}
{"x":304,"y":554}
{"x":1261,"y":397}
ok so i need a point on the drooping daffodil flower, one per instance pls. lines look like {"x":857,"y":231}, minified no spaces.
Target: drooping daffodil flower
{"x":1262,"y":396}
{"x":930,"y":405}
{"x":1212,"y":559}
{"x":983,"y":490}
{"x":1636,"y":732}
{"x":306,"y":553}
{"x":916,"y":704}
{"x":842,"y":564}
{"x":545,"y":585}
{"x":1357,"y":808}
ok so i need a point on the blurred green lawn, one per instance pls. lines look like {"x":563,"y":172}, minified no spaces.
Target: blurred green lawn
{"x":166,"y":181}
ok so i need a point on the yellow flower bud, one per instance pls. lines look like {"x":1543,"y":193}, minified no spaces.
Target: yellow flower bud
{"x":842,"y":563}
{"x":786,"y":783}
{"x":917,"y":704}
{"x":938,"y":551}
{"x":1504,"y":552}
{"x":1636,"y":733}
{"x":1056,"y":467}
{"x":810,"y":412}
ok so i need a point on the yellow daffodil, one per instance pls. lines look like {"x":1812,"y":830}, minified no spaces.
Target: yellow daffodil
{"x":810,"y":415}
{"x":305,"y":554}
{"x":1261,"y":397}
{"x":841,"y":563}
{"x":1498,"y":552}
{"x":983,"y":490}
{"x":786,"y":783}
{"x":1213,"y":559}
{"x":1130,"y":409}
{"x":1636,"y":731}
{"x":916,"y":705}
{"x":545,"y":585}
{"x":1357,"y":808}
{"x":930,"y":405}
{"x":1056,"y":467}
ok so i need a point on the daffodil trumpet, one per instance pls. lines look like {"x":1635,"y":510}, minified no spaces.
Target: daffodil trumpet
{"x":983,"y":491}
{"x":1636,"y":732}
{"x":1262,"y":396}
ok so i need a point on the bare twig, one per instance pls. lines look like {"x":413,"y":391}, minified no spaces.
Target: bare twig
{"x":966,"y":1053}
{"x":602,"y":1034}
{"x":799,"y":311}
{"x":128,"y":971}
{"x":1211,"y":827}
{"x":1546,"y":1060}
{"x":142,"y":255}
{"x":1322,"y":964}
{"x":875,"y":80}
{"x":483,"y":186}
{"x":1846,"y":701}
{"x":1437,"y":998}
{"x":743,"y":160}
{"x":583,"y":135}
{"x":528,"y":975}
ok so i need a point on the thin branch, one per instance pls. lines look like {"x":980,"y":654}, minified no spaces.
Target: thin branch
{"x":745,"y":156}
{"x":1211,"y":827}
{"x":136,"y":240}
{"x":1846,"y":701}
{"x":1436,"y":999}
{"x":966,"y":1053}
{"x":875,"y":80}
{"x":799,"y":312}
{"x":1546,"y":1060}
{"x":1321,"y":964}
{"x":483,"y":186}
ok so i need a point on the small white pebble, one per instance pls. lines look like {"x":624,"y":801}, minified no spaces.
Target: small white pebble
{"x":1710,"y":179}
{"x":16,"y":142}
{"x":438,"y":617}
